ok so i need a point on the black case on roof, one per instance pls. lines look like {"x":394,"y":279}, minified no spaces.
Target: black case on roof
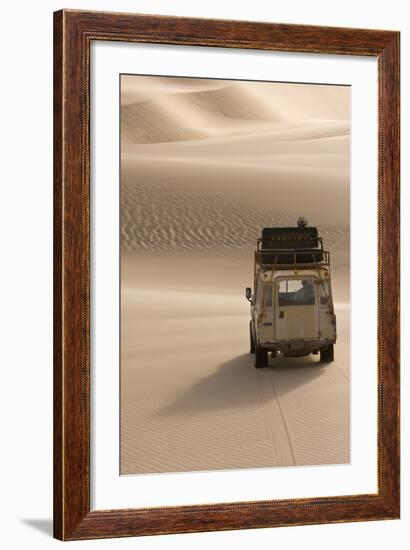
{"x":290,"y":238}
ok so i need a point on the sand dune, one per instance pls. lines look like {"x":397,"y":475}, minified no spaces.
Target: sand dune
{"x":164,"y":208}
{"x":217,"y":105}
{"x":190,"y":115}
{"x":149,"y":88}
{"x":171,"y":217}
{"x":205,"y":164}
{"x":269,"y":139}
{"x":189,"y":155}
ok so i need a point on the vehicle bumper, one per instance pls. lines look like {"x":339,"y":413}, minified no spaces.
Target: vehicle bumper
{"x":294,"y":348}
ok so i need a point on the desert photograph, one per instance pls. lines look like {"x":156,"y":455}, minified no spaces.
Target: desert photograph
{"x":214,"y":376}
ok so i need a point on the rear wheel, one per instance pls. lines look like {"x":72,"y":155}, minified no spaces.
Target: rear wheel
{"x":327,"y":355}
{"x":252,"y":346}
{"x":261,"y":357}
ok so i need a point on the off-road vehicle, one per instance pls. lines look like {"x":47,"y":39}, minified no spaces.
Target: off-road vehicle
{"x":292,"y":310}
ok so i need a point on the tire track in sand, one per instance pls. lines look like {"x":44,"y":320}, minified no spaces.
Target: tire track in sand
{"x":281,"y":441}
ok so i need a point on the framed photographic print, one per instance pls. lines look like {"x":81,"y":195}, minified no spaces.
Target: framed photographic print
{"x":226,"y":275}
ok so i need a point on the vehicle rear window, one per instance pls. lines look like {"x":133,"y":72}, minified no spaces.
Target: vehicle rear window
{"x":296,"y":292}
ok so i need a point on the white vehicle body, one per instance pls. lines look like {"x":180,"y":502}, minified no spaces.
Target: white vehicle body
{"x":292,"y":309}
{"x":289,"y":325}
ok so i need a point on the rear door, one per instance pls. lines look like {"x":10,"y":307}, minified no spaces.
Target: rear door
{"x":296,"y":308}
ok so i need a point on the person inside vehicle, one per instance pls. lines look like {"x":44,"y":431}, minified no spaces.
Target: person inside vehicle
{"x":306,"y":294}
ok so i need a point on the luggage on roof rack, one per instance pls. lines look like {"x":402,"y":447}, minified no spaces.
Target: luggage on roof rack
{"x":290,"y":245}
{"x":289,"y":237}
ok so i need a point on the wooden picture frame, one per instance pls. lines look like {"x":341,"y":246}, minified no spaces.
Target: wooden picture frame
{"x":74,"y":32}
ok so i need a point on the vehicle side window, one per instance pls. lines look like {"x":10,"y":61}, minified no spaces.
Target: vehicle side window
{"x":267,"y":296}
{"x":296,"y":292}
{"x":324,"y":293}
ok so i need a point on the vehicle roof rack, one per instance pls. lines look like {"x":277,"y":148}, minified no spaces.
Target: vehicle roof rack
{"x":290,"y":247}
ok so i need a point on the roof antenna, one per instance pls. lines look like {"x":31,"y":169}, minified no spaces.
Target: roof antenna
{"x":302,"y":221}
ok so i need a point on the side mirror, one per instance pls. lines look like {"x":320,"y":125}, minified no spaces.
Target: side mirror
{"x":248,"y":294}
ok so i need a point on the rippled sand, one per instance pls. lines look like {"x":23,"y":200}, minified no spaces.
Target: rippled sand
{"x":204,"y":166}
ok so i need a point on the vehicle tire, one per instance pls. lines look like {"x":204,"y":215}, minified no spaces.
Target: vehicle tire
{"x":252,"y":346}
{"x":261,"y":358}
{"x":327,"y":355}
